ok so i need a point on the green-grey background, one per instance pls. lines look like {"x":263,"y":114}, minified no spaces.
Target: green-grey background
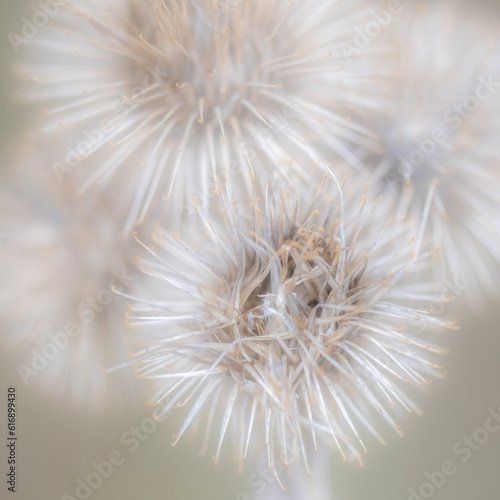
{"x":57,"y":444}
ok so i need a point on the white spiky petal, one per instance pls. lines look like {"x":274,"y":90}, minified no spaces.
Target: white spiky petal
{"x":299,"y":322}
{"x":186,"y":89}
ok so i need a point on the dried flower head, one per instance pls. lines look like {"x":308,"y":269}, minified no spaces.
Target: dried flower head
{"x":299,"y":321}
{"x":442,"y":151}
{"x":185,"y":89}
{"x":60,"y":259}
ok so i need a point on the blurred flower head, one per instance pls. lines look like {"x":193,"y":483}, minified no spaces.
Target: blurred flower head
{"x":61,"y":260}
{"x":441,"y":145}
{"x":157,"y":98}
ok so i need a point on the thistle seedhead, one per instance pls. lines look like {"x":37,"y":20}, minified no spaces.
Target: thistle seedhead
{"x":61,"y":260}
{"x":298,"y":322}
{"x":184,"y":90}
{"x":441,"y":146}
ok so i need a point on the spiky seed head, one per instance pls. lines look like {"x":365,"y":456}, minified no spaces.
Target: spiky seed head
{"x":184,"y":90}
{"x":61,"y":259}
{"x":441,"y":149}
{"x":299,"y":322}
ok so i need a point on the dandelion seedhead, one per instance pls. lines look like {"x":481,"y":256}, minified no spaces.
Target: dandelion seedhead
{"x":171,"y":93}
{"x":299,"y":321}
{"x":441,"y":143}
{"x":60,"y":260}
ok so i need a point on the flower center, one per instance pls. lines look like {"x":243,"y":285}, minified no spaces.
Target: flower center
{"x":298,"y":279}
{"x":206,"y":64}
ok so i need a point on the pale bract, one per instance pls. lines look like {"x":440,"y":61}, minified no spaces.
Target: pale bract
{"x":441,"y":142}
{"x":294,"y":321}
{"x":158,"y":98}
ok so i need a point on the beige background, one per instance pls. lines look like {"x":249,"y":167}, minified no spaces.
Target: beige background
{"x":57,"y":444}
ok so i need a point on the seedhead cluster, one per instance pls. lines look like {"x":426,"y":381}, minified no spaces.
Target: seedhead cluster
{"x":317,"y":173}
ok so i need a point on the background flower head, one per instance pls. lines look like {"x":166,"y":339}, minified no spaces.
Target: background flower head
{"x":60,"y":261}
{"x":441,"y":139}
{"x":158,"y":98}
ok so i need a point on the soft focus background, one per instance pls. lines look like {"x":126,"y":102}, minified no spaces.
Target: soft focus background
{"x":58,"y":443}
